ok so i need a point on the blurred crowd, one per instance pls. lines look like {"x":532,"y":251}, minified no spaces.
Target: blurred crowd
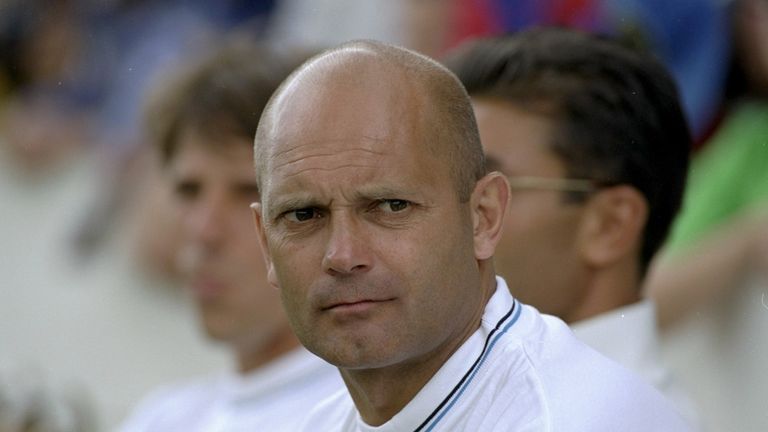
{"x":90,"y":264}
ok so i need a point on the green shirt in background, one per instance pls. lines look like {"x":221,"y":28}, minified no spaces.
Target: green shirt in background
{"x":729,"y":175}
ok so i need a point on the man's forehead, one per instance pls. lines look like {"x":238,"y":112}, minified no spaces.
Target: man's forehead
{"x":334,"y":117}
{"x":372,"y":187}
{"x":334,"y":150}
{"x":337,"y":107}
{"x":357,"y":157}
{"x":360,"y":168}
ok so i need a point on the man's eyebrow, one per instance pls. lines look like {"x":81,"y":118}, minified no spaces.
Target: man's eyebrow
{"x":381,"y":192}
{"x":492,"y":163}
{"x":281,"y":205}
{"x":246,"y":184}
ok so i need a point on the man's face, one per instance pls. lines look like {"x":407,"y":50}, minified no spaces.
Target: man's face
{"x":221,"y":259}
{"x":537,"y":253}
{"x":371,"y":248}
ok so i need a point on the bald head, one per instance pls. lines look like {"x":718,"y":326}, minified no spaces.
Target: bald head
{"x":417,"y":92}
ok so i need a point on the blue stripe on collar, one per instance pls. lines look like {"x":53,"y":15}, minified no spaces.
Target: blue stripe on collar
{"x":504,"y":324}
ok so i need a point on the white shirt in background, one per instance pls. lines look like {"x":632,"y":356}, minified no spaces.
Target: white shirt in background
{"x":273,"y":398}
{"x":520,"y":371}
{"x":629,"y":336}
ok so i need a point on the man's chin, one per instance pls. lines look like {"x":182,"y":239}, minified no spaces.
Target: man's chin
{"x":356,"y":356}
{"x":217,"y":335}
{"x":217,"y":327}
{"x":205,"y":291}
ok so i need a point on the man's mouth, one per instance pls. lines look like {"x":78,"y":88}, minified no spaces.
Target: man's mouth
{"x":207,"y":288}
{"x":356,"y":306}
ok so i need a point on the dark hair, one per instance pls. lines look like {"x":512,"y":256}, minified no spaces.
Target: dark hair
{"x":224,"y":93}
{"x":616,"y":111}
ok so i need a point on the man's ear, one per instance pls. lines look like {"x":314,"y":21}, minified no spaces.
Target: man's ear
{"x":259,"y":224}
{"x":488,"y":206}
{"x":613,"y":226}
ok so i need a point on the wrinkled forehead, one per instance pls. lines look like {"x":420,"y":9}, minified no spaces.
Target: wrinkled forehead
{"x":343,"y":109}
{"x":370,"y":93}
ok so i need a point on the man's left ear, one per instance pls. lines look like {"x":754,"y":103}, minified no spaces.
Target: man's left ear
{"x":613,"y":225}
{"x":489,"y":206}
{"x":258,"y":220}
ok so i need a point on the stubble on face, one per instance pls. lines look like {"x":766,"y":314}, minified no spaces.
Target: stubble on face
{"x":359,"y":150}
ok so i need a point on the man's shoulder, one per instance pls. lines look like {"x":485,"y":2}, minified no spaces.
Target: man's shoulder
{"x":158,"y":407}
{"x":576,"y":385}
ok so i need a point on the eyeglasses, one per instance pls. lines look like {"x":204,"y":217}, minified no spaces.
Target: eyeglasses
{"x":555,"y":184}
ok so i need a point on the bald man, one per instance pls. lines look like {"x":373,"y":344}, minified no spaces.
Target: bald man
{"x":379,"y":225}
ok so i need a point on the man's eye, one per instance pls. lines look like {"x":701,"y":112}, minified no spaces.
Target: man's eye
{"x":186,"y":191}
{"x":301,"y":215}
{"x":248,"y":191}
{"x":393,"y":205}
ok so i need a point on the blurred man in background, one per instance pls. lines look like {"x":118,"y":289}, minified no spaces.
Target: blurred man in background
{"x":595,"y":145}
{"x":202,"y":123}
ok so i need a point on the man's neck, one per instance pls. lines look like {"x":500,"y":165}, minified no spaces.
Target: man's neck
{"x":381,"y":393}
{"x":608,"y":290}
{"x":250,"y":357}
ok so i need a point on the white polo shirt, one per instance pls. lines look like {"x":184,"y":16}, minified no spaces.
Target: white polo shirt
{"x":275,"y":397}
{"x":520,"y":371}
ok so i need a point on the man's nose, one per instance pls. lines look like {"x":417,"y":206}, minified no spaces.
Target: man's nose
{"x":347,"y":251}
{"x":206,"y":223}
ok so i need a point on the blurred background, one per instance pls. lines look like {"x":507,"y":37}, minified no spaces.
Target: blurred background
{"x":91,"y":317}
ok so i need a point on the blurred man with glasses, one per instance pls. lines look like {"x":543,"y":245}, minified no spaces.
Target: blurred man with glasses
{"x":595,"y":145}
